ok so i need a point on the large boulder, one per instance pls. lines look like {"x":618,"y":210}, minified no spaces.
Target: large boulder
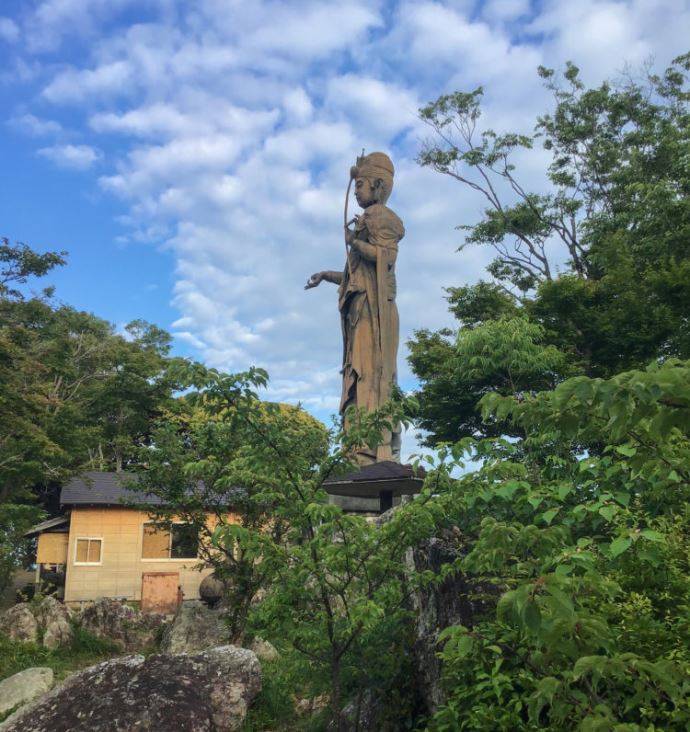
{"x":24,"y":687}
{"x":211,"y":690}
{"x":194,"y":628}
{"x":19,"y":623}
{"x":54,"y":621}
{"x":127,"y":628}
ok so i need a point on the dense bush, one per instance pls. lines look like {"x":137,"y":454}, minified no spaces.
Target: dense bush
{"x":583,"y":527}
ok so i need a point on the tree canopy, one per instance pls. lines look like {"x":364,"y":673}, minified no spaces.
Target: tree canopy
{"x":599,"y":261}
{"x":74,"y":393}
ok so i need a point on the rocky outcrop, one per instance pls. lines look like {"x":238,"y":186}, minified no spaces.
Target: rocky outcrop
{"x":54,"y":623}
{"x":19,"y":623}
{"x":24,"y":687}
{"x":194,"y":628}
{"x":46,"y":621}
{"x":129,"y":629}
{"x":211,"y":690}
{"x":454,"y":601}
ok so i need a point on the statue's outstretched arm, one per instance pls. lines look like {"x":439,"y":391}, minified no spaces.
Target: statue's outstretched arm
{"x":328,"y":276}
{"x":331,"y":276}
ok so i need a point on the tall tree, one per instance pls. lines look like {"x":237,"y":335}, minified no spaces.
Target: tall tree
{"x":26,"y":447}
{"x":73,"y":392}
{"x":600,"y":261}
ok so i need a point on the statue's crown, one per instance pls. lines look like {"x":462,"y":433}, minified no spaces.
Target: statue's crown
{"x":374,"y":165}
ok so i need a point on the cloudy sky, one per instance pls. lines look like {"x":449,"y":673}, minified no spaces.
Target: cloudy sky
{"x":192,"y":156}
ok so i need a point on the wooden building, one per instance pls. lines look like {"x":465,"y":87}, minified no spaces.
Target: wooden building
{"x":106,"y":548}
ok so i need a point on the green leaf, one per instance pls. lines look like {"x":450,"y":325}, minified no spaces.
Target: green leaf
{"x":619,"y":545}
{"x":627,"y":450}
{"x":464,"y":646}
{"x":608,"y":512}
{"x":548,"y":516}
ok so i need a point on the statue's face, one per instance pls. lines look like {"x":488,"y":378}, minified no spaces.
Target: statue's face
{"x":365,"y":192}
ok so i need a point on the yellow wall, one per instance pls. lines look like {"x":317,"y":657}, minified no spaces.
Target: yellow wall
{"x":52,"y":548}
{"x":119,"y":573}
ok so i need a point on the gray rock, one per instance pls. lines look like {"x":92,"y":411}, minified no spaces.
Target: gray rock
{"x":18,"y":623}
{"x":24,"y":687}
{"x":194,"y":628}
{"x":211,"y":690}
{"x":54,"y":621}
{"x":264,"y":650}
{"x":455,"y":600}
{"x":127,"y":628}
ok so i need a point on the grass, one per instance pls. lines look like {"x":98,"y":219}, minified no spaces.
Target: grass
{"x":85,"y":650}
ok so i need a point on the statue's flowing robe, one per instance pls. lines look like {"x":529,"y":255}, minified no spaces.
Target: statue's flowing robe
{"x":369,"y":317}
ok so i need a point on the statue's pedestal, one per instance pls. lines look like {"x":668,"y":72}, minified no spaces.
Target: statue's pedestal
{"x":374,"y":488}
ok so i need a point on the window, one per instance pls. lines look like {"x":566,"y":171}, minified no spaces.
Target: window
{"x":88,"y":551}
{"x":184,"y":542}
{"x":181,"y":542}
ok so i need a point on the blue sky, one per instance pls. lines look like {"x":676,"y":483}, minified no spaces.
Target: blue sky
{"x":192,"y":157}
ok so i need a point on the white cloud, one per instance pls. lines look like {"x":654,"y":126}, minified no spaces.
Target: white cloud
{"x":74,"y":86}
{"x":297,"y":106}
{"x":230,"y":128}
{"x":315,"y":30}
{"x":9,"y":30}
{"x":382,"y":108}
{"x":51,"y":21}
{"x":76,"y":157}
{"x":505,"y":10}
{"x":32,"y":125}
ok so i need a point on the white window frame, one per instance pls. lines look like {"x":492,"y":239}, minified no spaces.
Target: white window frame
{"x":88,"y":538}
{"x":170,"y":558}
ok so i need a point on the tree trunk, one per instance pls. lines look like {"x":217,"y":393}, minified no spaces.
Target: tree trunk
{"x":335,"y":694}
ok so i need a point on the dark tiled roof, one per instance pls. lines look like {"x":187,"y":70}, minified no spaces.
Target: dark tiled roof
{"x":104,"y":489}
{"x":384,"y":470}
{"x":96,"y":488}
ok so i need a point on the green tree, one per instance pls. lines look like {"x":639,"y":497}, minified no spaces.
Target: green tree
{"x":26,"y":447}
{"x":577,"y":539}
{"x":73,"y":393}
{"x":333,"y":585}
{"x":201,"y":463}
{"x":507,"y":356}
{"x":600,"y":260}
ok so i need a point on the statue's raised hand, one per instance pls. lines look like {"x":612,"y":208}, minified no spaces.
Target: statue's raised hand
{"x":315,"y":280}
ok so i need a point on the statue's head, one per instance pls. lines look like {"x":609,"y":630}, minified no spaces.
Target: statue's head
{"x":373,"y":175}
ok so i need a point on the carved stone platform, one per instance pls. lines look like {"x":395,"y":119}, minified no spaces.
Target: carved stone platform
{"x":374,"y":488}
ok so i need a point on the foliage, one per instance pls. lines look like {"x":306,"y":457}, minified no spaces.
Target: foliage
{"x":73,"y":394}
{"x":583,"y":530}
{"x":282,"y":684}
{"x":200,"y":464}
{"x":506,"y":356}
{"x":599,"y":258}
{"x":333,"y":586}
{"x":19,"y":263}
